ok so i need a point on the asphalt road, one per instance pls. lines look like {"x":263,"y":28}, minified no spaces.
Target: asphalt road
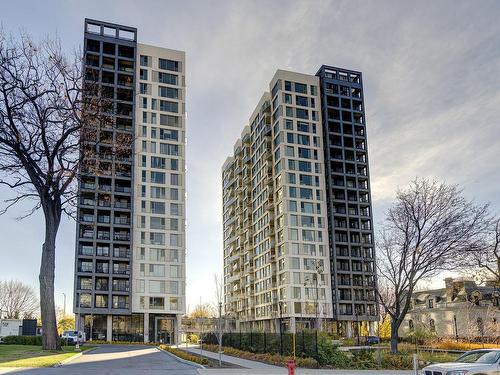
{"x":119,"y":360}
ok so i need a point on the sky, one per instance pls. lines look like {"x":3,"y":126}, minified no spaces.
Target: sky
{"x":431,"y":72}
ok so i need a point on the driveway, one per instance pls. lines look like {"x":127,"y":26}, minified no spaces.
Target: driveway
{"x":119,"y":360}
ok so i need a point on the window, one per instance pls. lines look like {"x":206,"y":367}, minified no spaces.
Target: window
{"x":158,"y":177}
{"x":158,"y":162}
{"x":168,"y":92}
{"x":85,"y":300}
{"x":157,"y":207}
{"x":156,"y":286}
{"x":157,"y":192}
{"x":410,"y":325}
{"x":174,"y":209}
{"x":157,"y":270}
{"x":168,"y":65}
{"x":101,"y":301}
{"x":85,"y":283}
{"x":144,"y":60}
{"x":432,"y":325}
{"x":156,"y":238}
{"x":168,"y":149}
{"x":300,"y":88}
{"x":144,"y":74}
{"x":157,"y":222}
{"x":156,"y":303}
{"x":157,"y":255}
{"x":169,"y":120}
{"x":167,"y":78}
{"x":174,"y":179}
{"x":167,"y":106}
{"x":430,"y":303}
{"x":301,"y":100}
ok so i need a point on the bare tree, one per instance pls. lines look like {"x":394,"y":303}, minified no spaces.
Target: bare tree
{"x":42,"y":113}
{"x":486,"y":255}
{"x":427,"y":227}
{"x":18,"y":300}
{"x":219,"y":295}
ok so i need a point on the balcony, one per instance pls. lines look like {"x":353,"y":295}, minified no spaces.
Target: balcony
{"x":120,"y":236}
{"x":121,"y":252}
{"x":123,"y":220}
{"x":103,"y":219}
{"x":103,"y":235}
{"x":122,"y":204}
{"x":87,"y":185}
{"x":123,"y":189}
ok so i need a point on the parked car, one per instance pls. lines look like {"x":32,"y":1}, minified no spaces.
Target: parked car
{"x":72,"y":337}
{"x":475,"y":362}
{"x":372,"y":340}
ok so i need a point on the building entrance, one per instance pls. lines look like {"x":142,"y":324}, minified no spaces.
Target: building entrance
{"x":164,"y":330}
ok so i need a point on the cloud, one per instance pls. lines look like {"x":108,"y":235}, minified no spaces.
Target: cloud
{"x":430,"y":71}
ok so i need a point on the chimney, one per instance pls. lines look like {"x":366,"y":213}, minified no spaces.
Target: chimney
{"x":448,"y":282}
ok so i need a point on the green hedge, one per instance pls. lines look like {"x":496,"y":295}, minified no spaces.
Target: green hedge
{"x":26,"y":340}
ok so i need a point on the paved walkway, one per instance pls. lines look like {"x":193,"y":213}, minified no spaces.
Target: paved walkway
{"x":300,"y":371}
{"x":259,"y":368}
{"x":233,"y":360}
{"x":117,"y":360}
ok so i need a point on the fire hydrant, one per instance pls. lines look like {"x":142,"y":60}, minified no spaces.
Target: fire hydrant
{"x":291,"y":367}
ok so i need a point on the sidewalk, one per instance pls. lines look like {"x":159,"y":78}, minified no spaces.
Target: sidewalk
{"x":301,"y":371}
{"x":233,"y":360}
{"x":259,"y":368}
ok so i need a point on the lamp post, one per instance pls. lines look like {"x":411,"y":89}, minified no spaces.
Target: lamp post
{"x":220,"y":334}
{"x":280,"y":306}
{"x":64,"y":306}
{"x":77,"y":322}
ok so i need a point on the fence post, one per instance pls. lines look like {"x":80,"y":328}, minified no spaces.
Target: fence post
{"x":240,"y":339}
{"x":251,"y":339}
{"x":281,"y":341}
{"x":415,"y":363}
{"x":316,"y":343}
{"x":265,"y":344}
{"x":303,"y":344}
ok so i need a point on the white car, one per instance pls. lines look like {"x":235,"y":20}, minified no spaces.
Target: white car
{"x":475,"y":362}
{"x":72,"y":337}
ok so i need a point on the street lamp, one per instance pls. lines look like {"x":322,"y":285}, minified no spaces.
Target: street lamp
{"x":64,"y":306}
{"x":280,"y":307}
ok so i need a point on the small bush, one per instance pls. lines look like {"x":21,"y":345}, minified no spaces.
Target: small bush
{"x":185,"y":355}
{"x":397,"y":361}
{"x":275,"y":359}
{"x":329,"y":355}
{"x":23,"y":340}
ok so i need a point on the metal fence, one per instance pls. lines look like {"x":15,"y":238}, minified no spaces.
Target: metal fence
{"x":305,"y":343}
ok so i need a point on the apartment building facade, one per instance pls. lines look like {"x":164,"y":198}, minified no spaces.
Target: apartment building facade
{"x":130,"y":238}
{"x":279,"y":272}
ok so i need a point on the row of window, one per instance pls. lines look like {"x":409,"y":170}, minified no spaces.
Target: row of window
{"x":158,"y":303}
{"x":165,"y":64}
{"x":160,"y":270}
{"x":102,"y":301}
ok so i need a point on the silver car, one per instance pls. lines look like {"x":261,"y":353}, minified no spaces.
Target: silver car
{"x":475,"y":362}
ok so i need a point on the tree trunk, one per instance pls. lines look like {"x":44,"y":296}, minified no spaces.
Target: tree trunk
{"x":394,"y":335}
{"x":50,"y":338}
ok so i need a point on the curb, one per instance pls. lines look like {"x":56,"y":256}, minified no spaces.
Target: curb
{"x":69,"y":359}
{"x":185,"y":361}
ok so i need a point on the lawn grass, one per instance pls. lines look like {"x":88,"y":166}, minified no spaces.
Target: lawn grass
{"x":34,"y":356}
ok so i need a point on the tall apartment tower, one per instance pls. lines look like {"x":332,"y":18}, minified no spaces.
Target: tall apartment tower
{"x":130,"y":237}
{"x":350,"y":220}
{"x":280,"y":271}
